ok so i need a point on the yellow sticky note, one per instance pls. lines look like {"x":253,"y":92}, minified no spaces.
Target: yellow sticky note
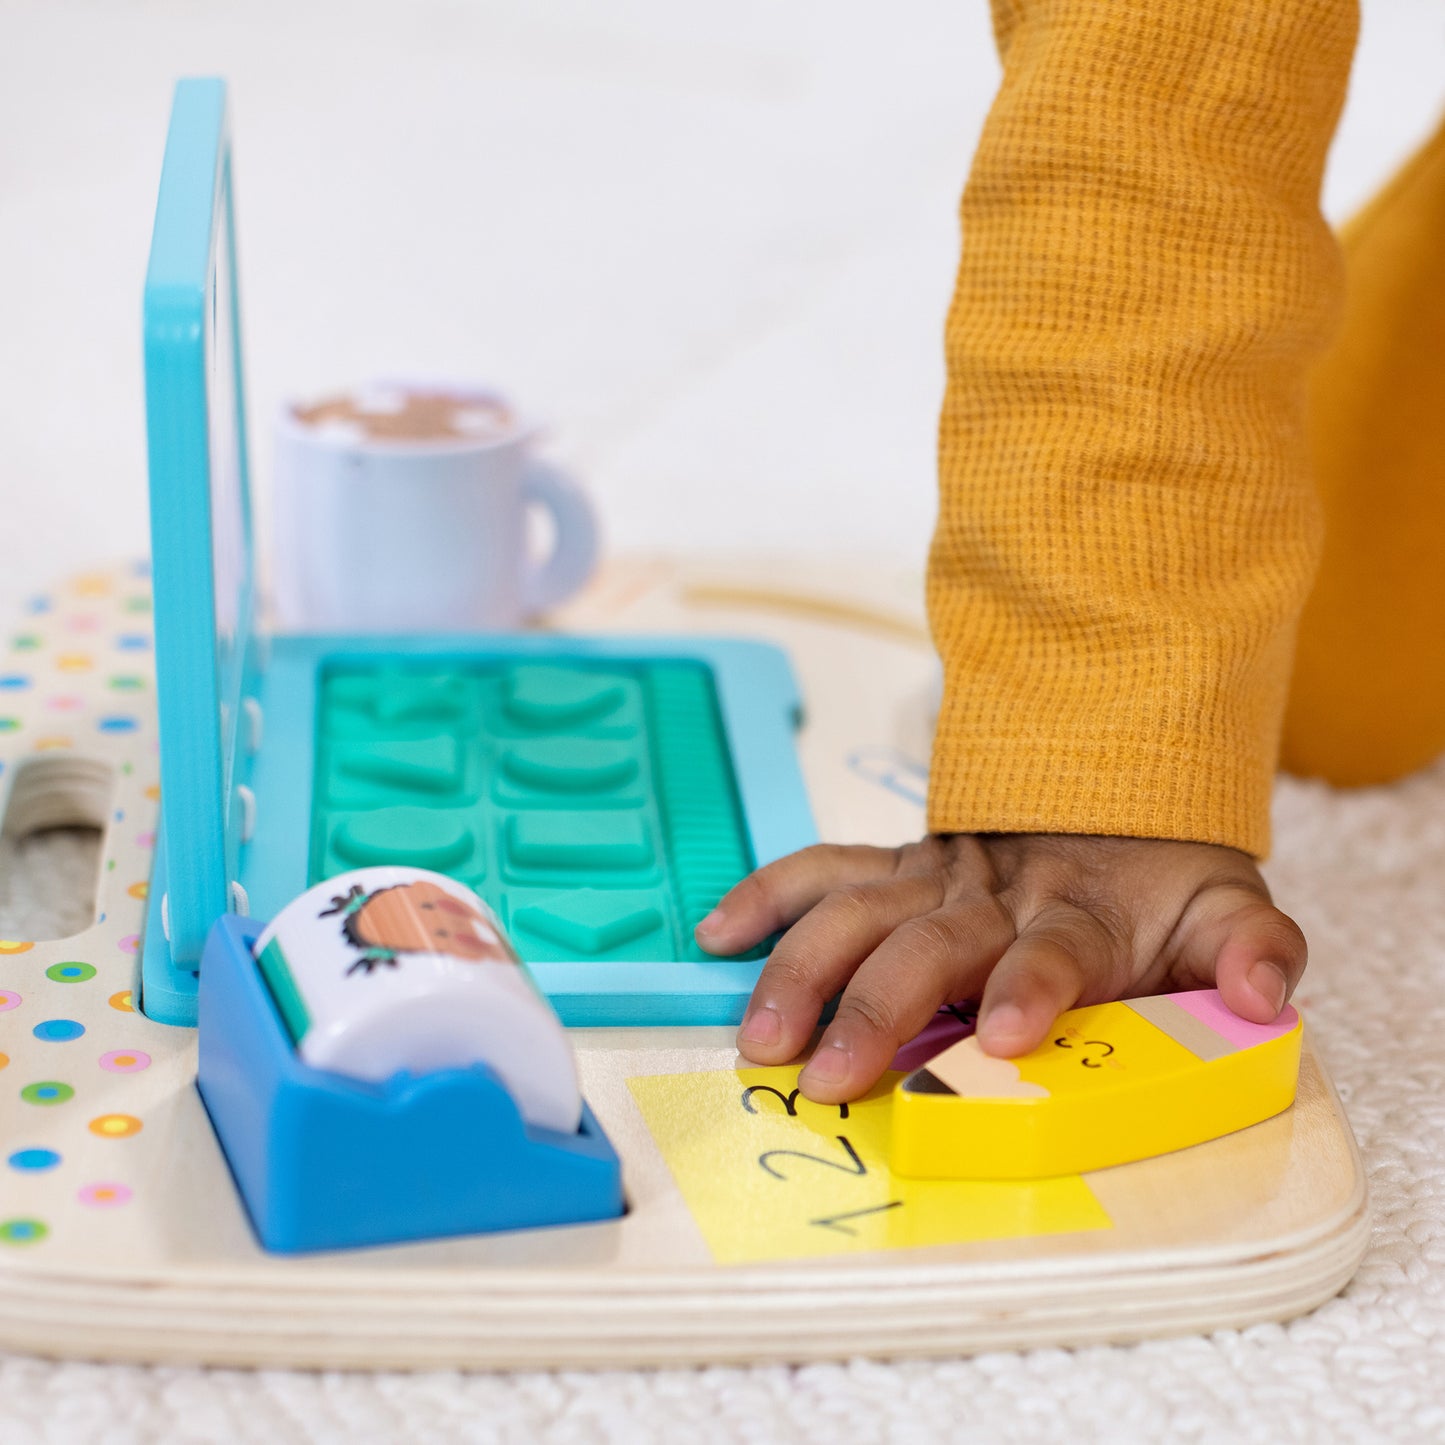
{"x":767,"y":1174}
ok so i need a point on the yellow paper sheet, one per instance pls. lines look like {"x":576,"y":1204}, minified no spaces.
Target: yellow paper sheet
{"x":769,"y":1175}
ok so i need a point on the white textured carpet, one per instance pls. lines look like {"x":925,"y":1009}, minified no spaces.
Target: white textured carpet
{"x":836,"y":145}
{"x":1365,"y":874}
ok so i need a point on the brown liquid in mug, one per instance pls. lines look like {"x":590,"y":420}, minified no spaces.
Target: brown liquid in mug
{"x":403,"y":415}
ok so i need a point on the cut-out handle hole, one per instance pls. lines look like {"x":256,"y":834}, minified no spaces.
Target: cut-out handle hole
{"x":50,"y":846}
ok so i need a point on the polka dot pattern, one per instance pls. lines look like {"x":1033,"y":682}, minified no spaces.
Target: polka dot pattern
{"x":59,"y":1031}
{"x":78,"y":677}
{"x":115,"y":1126}
{"x":125,"y":1061}
{"x":105,"y":1196}
{"x":22,"y":1231}
{"x":31,"y":1160}
{"x":70,"y":972}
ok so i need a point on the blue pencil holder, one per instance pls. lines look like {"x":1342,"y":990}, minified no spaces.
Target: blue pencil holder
{"x":327,"y":1162}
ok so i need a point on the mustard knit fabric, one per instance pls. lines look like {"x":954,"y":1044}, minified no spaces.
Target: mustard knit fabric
{"x":1128,"y":524}
{"x":1367,"y":702}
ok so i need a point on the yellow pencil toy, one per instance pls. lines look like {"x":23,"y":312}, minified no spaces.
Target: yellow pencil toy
{"x":1112,"y":1083}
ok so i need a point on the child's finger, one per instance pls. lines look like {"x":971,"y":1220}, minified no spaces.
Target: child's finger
{"x":921,"y":965}
{"x":817,"y":956}
{"x":778,"y":894}
{"x":1250,"y":951}
{"x":1061,"y":955}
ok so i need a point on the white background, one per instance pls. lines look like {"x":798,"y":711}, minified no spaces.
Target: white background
{"x":712,"y":244}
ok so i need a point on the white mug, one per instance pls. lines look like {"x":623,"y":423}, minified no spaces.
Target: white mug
{"x":404,"y":507}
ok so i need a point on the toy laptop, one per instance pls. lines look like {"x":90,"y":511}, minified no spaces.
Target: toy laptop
{"x":601,"y":794}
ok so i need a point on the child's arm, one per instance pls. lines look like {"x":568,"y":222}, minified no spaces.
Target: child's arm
{"x":1126,"y":535}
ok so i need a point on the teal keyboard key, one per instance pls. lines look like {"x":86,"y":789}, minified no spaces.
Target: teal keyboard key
{"x":594,"y":805}
{"x":579,"y":842}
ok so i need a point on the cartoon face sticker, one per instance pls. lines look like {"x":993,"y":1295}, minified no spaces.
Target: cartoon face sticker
{"x":1091,"y":1053}
{"x":415,"y":917}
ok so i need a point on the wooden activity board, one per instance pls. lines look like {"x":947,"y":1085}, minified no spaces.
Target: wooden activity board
{"x":759,"y":1226}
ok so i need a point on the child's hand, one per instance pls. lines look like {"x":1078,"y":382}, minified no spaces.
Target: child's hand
{"x":1035,"y":923}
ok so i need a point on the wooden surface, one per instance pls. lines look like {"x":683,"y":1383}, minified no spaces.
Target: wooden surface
{"x":1259,"y":1225}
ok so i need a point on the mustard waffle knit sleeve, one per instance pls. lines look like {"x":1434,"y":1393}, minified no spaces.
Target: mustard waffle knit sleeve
{"x":1127,"y":527}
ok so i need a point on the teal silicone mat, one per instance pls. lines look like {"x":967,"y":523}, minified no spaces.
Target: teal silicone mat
{"x":592,"y":805}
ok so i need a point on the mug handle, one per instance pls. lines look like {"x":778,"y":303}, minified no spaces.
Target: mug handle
{"x":574,"y":554}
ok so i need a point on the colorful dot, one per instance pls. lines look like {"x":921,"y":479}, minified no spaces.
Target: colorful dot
{"x":65,"y":702}
{"x":26,"y":642}
{"x":8,"y":1000}
{"x":127,"y":682}
{"x":129,"y":943}
{"x":70,"y":972}
{"x":133,"y":642}
{"x":146,"y":839}
{"x":122,"y":1001}
{"x":37,"y":605}
{"x":54,"y":741}
{"x":115,"y":1126}
{"x":48,"y":1092}
{"x":75,"y":662}
{"x":153,"y":792}
{"x":117,"y":723}
{"x":104,"y":1196}
{"x":22,"y":1231}
{"x":93,"y":584}
{"x":34,"y":1159}
{"x":139,"y":890}
{"x":58,"y":1031}
{"x":9,"y":724}
{"x":13,"y":682}
{"x":137,"y":604}
{"x":14,"y":945}
{"x":125,"y":1061}
{"x":84,"y":622}
{"x":4,"y":1061}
